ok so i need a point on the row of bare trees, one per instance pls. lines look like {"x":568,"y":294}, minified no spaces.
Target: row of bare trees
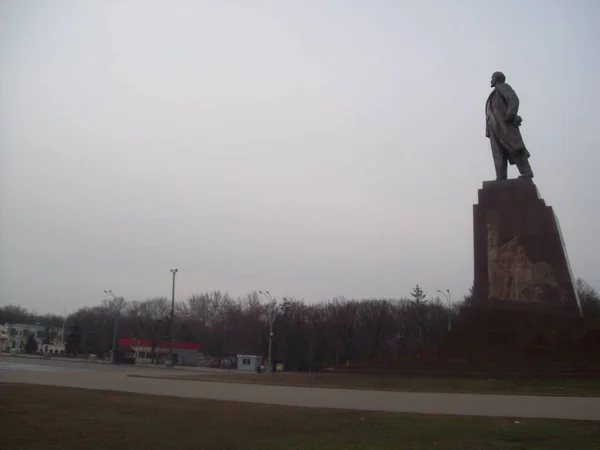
{"x":306,"y":336}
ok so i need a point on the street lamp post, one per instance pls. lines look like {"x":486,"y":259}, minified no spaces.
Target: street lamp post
{"x":173,"y":271}
{"x":116,"y":323}
{"x":449,"y":300}
{"x":269,"y":297}
{"x":62,"y":333}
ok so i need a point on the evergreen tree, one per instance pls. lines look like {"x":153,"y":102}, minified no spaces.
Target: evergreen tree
{"x":31,"y":345}
{"x":74,"y":340}
{"x":47,"y":336}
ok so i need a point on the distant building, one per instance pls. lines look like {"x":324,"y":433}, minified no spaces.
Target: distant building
{"x":125,"y":355}
{"x":13,"y":337}
{"x":51,"y":348}
{"x":249,"y":362}
{"x":184,"y":353}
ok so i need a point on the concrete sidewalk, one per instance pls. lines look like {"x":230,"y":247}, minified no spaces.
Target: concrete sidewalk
{"x":58,"y":359}
{"x":580,"y":408}
{"x":36,"y":356}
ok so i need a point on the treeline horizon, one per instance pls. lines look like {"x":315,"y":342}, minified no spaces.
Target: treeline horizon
{"x":305,"y":336}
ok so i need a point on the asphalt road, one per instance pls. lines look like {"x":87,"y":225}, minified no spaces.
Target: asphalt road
{"x":34,"y":363}
{"x":114,"y":378}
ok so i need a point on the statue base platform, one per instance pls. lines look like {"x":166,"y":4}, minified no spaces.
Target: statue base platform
{"x":525,"y":315}
{"x":501,"y":343}
{"x":534,"y":341}
{"x":520,"y":259}
{"x":525,"y":318}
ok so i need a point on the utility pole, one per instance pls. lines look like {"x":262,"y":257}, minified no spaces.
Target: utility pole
{"x":173,"y":271}
{"x":272,"y":303}
{"x":114,"y":343}
{"x":62,"y":336}
{"x":449,"y":300}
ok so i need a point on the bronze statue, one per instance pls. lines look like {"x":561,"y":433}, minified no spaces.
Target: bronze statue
{"x":502,"y":128}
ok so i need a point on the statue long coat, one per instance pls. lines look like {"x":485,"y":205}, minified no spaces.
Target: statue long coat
{"x":503,"y":101}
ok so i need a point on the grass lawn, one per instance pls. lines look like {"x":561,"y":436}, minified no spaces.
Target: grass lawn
{"x":43,"y":417}
{"x":569,"y":387}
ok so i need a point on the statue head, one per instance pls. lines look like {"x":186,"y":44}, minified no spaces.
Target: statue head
{"x":497,"y":78}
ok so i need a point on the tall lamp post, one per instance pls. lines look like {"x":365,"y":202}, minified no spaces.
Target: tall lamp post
{"x":173,"y":271}
{"x":62,"y":333}
{"x":449,"y":300}
{"x":114,"y":343}
{"x":272,"y":302}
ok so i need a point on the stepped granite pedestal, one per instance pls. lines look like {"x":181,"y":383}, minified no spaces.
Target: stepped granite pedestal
{"x":525,"y":314}
{"x":524,"y":318}
{"x":519,"y":254}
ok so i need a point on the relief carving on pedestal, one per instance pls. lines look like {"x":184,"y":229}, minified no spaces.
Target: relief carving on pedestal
{"x":513,"y":276}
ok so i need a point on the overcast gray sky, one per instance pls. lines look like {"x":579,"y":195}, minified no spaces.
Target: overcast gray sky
{"x":311,"y":148}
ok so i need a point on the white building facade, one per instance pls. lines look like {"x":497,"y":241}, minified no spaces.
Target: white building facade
{"x":13,"y":338}
{"x":249,"y":362}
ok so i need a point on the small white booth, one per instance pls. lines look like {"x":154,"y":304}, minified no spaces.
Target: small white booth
{"x":248,"y":362}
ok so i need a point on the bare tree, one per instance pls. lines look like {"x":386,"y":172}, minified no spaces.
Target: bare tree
{"x":589,"y":299}
{"x":306,"y":337}
{"x":115,"y":306}
{"x":151,"y":317}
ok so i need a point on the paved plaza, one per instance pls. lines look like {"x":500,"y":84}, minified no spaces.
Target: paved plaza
{"x":115,"y":378}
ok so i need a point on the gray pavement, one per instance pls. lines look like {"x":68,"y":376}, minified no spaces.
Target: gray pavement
{"x":27,"y":366}
{"x":114,"y":378}
{"x":26,"y":362}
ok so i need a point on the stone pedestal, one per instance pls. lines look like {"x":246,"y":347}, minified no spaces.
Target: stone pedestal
{"x":522,"y":341}
{"x":525,"y":316}
{"x":519,"y":254}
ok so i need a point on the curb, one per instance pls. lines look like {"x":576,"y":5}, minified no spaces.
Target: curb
{"x":212,"y":380}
